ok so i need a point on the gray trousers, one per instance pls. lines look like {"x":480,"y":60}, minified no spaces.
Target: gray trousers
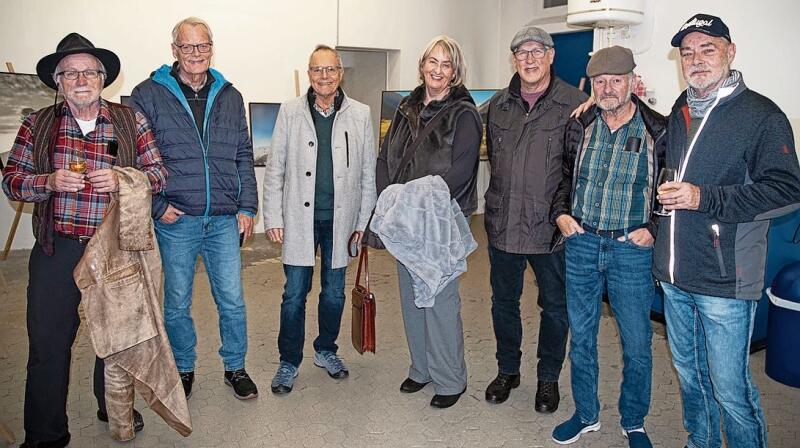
{"x":435,"y":337}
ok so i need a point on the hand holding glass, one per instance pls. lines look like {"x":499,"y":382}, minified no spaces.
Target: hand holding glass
{"x":664,"y":176}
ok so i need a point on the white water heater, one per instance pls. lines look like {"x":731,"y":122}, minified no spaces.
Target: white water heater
{"x":605,"y":13}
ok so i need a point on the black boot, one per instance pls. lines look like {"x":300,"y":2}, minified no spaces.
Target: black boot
{"x":547,"y":397}
{"x":500,"y":388}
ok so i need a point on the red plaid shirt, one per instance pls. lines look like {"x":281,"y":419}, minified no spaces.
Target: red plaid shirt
{"x":77,"y":213}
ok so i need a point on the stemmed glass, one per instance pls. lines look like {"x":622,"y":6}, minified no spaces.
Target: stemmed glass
{"x":666,"y":175}
{"x":77,"y":161}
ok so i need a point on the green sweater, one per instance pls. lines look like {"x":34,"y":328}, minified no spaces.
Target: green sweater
{"x":323,"y":185}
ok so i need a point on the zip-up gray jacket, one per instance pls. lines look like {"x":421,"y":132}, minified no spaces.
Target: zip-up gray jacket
{"x":744,"y":161}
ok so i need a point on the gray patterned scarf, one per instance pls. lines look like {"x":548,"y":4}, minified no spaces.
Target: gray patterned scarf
{"x":699,"y":106}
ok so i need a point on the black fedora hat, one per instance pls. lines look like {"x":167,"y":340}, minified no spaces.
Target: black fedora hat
{"x":74,"y":43}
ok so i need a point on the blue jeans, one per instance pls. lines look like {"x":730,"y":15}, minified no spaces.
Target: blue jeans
{"x":216,"y":239}
{"x":595,"y":263}
{"x":507,"y":274}
{"x":331,"y":301}
{"x":710,"y":342}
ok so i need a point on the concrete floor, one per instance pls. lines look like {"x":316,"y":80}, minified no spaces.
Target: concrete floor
{"x":365,"y":410}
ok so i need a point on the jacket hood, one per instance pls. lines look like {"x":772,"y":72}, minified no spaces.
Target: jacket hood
{"x":164,"y":71}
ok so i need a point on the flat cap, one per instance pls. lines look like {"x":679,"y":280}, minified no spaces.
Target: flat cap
{"x":614,"y":60}
{"x":531,"y":34}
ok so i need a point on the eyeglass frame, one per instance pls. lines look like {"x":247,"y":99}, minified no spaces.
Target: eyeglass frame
{"x":192,"y":47}
{"x":544,"y":49}
{"x":85,"y":74}
{"x":319,"y":71}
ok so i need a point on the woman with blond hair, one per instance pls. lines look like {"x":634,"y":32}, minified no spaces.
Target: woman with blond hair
{"x":436,"y":131}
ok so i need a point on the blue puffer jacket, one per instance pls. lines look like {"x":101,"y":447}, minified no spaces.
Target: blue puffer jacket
{"x":210,"y":174}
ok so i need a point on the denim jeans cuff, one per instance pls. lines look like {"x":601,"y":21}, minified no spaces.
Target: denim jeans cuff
{"x":547,"y":377}
{"x":232,"y":367}
{"x":505,"y":371}
{"x":633,"y":426}
{"x":587,"y":421}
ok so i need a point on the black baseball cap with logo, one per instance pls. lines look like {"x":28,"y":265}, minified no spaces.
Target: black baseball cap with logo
{"x":702,"y":23}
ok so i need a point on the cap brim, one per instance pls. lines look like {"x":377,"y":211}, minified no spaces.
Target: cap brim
{"x":47,"y":65}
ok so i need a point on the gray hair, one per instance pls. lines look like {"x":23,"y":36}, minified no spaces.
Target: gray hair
{"x":99,"y":62}
{"x":193,"y":21}
{"x":323,"y":47}
{"x":451,"y":47}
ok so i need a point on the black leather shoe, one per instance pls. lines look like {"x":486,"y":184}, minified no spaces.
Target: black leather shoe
{"x":547,"y":397}
{"x":138,"y":421}
{"x":500,"y":388}
{"x":243,"y":387}
{"x":445,"y":401}
{"x":187,"y":379}
{"x":59,"y":443}
{"x":410,"y":386}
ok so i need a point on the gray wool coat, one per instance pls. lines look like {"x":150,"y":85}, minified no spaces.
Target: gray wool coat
{"x":291,"y":172}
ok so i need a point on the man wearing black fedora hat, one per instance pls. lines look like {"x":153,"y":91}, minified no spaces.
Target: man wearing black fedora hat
{"x":62,"y":161}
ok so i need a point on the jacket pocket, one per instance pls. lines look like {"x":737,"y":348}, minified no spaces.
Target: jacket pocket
{"x":494,"y":219}
{"x":118,"y":311}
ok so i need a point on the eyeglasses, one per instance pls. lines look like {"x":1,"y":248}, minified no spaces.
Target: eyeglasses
{"x":318,"y":71}
{"x":189,"y":48}
{"x":537,"y":53}
{"x":72,"y":75}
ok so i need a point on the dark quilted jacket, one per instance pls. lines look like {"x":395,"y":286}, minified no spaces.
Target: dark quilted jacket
{"x":210,"y":174}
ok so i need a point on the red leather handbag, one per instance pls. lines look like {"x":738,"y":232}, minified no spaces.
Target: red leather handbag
{"x":363,"y":321}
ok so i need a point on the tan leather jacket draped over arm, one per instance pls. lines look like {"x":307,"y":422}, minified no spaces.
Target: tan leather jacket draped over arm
{"x":120,"y":281}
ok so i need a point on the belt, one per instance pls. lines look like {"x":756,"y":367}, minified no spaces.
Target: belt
{"x":79,"y":238}
{"x":614,"y":234}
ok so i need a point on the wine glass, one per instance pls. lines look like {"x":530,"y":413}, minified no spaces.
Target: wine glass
{"x":664,"y":176}
{"x":77,"y":161}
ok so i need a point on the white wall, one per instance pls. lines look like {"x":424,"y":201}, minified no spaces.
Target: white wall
{"x":257,"y":44}
{"x":410,"y":24}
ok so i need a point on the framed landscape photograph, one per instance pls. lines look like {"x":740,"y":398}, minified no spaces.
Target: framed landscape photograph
{"x":20,"y":95}
{"x":262,"y":123}
{"x":390,"y":100}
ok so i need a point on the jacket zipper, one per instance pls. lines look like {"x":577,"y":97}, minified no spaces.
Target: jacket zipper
{"x":681,"y":171}
{"x":715,"y":241}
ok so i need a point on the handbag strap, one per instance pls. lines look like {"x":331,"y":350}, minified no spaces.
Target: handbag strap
{"x":363,"y":259}
{"x":412,"y":149}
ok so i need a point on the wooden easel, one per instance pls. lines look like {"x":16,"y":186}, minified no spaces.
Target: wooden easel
{"x":5,"y":434}
{"x":17,"y":216}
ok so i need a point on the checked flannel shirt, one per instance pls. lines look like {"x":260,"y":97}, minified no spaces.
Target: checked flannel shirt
{"x":613,"y":187}
{"x":77,"y":213}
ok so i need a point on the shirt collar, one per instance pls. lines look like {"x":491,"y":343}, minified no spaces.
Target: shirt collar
{"x":104,"y":116}
{"x":635,"y":119}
